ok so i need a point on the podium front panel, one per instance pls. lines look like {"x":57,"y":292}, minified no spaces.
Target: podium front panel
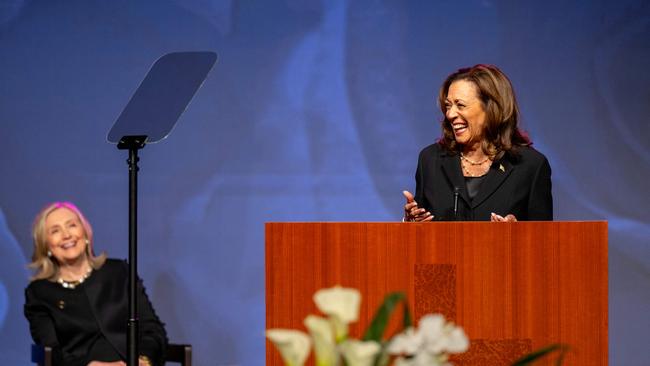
{"x":513,"y":287}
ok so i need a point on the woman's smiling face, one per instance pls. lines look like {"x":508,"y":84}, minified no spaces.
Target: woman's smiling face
{"x":65,"y":235}
{"x":465,"y":112}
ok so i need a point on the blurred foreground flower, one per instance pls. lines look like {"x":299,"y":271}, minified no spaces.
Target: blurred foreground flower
{"x":359,"y":353}
{"x":293,"y":345}
{"x":430,"y":344}
{"x":425,"y":346}
{"x":322,"y":333}
{"x":342,"y":307}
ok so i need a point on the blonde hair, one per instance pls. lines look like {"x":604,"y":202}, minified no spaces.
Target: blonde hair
{"x":45,"y":266}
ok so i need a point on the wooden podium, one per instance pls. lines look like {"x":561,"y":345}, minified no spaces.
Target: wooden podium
{"x":513,"y":287}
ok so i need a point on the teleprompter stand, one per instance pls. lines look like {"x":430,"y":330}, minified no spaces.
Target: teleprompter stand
{"x":149,"y":117}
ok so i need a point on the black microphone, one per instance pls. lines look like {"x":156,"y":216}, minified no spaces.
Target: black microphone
{"x":456,"y":190}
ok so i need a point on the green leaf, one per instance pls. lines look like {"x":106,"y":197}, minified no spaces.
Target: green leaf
{"x":406,"y":320}
{"x":378,"y":325}
{"x":542,"y":352}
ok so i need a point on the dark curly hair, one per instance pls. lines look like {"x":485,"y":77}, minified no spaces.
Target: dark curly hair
{"x":502,"y":134}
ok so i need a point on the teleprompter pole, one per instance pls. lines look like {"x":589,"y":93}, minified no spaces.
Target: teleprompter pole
{"x":133,"y":144}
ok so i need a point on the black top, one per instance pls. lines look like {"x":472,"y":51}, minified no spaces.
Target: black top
{"x":473,"y":185}
{"x":89,"y":322}
{"x":515,"y":184}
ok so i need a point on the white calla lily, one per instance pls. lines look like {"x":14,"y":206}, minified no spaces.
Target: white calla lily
{"x":341,"y":305}
{"x":294,"y":346}
{"x":322,"y":333}
{"x":359,"y":353}
{"x":340,"y":328}
{"x":339,"y":301}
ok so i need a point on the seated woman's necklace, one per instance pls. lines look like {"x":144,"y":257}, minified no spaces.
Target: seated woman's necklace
{"x":466,"y":160}
{"x":72,"y":284}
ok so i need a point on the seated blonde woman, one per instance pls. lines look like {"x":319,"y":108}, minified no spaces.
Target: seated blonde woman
{"x":76,"y":302}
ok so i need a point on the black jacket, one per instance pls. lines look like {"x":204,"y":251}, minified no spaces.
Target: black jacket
{"x":516,"y":184}
{"x":72,"y":321}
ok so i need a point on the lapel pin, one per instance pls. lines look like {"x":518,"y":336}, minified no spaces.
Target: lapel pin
{"x":502,"y":168}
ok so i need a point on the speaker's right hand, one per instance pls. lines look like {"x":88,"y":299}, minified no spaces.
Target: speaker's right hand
{"x":412,"y":212}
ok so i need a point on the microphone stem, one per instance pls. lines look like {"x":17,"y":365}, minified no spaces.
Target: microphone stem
{"x":455,"y":203}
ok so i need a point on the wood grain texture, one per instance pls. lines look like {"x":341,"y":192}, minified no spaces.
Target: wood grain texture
{"x":517,"y":285}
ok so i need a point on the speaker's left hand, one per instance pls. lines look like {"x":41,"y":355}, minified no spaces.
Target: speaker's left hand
{"x":498,"y":218}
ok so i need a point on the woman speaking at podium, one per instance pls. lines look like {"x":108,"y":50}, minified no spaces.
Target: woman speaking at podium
{"x":77,"y":302}
{"x":483,"y":168}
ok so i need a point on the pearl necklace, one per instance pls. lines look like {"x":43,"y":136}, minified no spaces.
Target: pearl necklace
{"x":72,"y":284}
{"x":474,"y":162}
{"x":466,"y":171}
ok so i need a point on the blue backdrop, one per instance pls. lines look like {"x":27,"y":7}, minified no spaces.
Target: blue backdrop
{"x":315,"y":111}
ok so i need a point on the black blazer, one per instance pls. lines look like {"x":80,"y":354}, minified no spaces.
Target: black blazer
{"x":72,"y":321}
{"x":516,"y":184}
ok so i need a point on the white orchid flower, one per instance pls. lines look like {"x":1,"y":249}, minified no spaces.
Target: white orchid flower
{"x":359,"y":353}
{"x":430,"y":344}
{"x":457,"y":341}
{"x":405,"y":343}
{"x":431,"y":327}
{"x":441,"y":336}
{"x":322,"y":333}
{"x":341,"y":305}
{"x":294,"y":346}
